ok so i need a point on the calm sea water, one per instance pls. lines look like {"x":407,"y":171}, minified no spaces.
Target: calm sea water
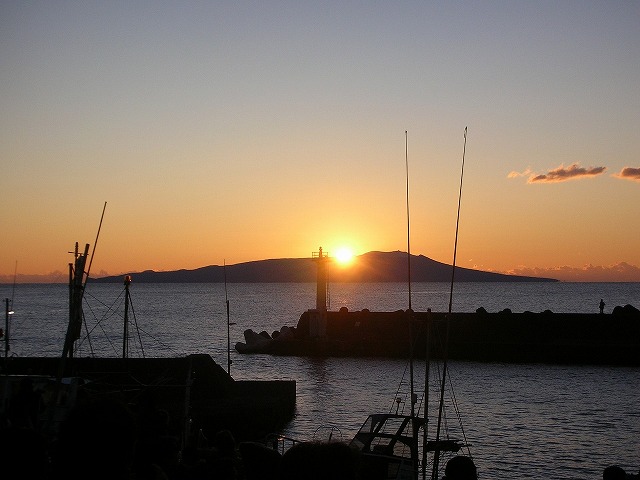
{"x":524,"y":421}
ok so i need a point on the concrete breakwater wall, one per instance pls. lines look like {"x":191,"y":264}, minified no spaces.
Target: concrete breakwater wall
{"x":194,"y":390}
{"x":546,"y":337}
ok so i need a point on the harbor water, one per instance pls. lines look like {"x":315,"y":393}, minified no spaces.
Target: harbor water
{"x":525,"y":421}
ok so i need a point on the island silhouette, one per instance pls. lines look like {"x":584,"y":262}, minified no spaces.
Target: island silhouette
{"x":366,"y":268}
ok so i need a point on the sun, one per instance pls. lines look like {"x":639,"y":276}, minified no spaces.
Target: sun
{"x":344,"y":255}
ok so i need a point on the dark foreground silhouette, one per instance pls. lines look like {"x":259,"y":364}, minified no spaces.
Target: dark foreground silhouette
{"x":105,"y":439}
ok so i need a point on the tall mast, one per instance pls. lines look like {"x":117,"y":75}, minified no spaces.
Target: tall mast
{"x":455,"y":246}
{"x":76,"y":293}
{"x":406,"y":163}
{"x":436,"y":458}
{"x":95,"y":244}
{"x":226,"y":302}
{"x":125,"y":334}
{"x":77,"y":281}
{"x":414,"y":426}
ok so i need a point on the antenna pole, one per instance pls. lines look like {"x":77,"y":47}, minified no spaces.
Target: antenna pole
{"x":95,"y":244}
{"x":455,"y":246}
{"x":406,"y":163}
{"x":414,"y":426}
{"x":226,"y":301}
{"x":436,"y":458}
{"x":125,"y":334}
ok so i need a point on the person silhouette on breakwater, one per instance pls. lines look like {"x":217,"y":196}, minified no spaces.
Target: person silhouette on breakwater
{"x":601,"y":306}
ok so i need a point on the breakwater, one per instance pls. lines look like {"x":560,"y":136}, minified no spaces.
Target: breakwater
{"x":547,"y":337}
{"x":194,"y":390}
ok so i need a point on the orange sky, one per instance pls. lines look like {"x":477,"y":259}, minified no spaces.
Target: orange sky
{"x":238,"y":132}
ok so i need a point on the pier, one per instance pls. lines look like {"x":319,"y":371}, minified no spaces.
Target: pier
{"x":195,"y":392}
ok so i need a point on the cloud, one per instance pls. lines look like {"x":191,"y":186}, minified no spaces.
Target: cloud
{"x":562,"y":174}
{"x":628,"y":173}
{"x":515,"y":174}
{"x":621,"y":272}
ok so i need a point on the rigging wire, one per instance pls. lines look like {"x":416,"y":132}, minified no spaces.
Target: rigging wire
{"x":456,"y":408}
{"x":397,"y":399}
{"x":99,"y":324}
{"x":135,"y":322}
{"x":84,"y":322}
{"x":113,"y":310}
{"x":110,"y":313}
{"x":95,"y":244}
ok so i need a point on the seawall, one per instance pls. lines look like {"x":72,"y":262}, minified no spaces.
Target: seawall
{"x":606,"y":339}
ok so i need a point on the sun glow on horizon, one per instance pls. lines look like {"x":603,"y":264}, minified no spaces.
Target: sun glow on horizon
{"x":344,"y":255}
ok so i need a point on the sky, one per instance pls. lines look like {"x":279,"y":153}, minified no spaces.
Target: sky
{"x":231,"y":131}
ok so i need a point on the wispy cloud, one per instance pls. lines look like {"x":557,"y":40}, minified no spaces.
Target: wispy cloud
{"x":628,"y":173}
{"x":621,"y":272}
{"x":559,"y":174}
{"x":515,"y":174}
{"x":562,"y":174}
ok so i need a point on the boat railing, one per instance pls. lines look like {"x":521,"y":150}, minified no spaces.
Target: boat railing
{"x":327,"y":433}
{"x":324,"y":433}
{"x":280,"y":443}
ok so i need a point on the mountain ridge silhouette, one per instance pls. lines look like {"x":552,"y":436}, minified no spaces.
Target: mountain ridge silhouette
{"x":369,"y":267}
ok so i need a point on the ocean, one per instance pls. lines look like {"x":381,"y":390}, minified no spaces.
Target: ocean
{"x":526,"y":421}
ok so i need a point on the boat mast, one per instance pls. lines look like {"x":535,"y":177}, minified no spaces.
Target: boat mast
{"x":427,"y":365}
{"x":436,"y":458}
{"x":125,"y":334}
{"x":226,"y":301}
{"x":406,"y":163}
{"x":95,"y":244}
{"x":77,"y":282}
{"x":414,"y":426}
{"x":78,"y":278}
{"x":76,"y":293}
